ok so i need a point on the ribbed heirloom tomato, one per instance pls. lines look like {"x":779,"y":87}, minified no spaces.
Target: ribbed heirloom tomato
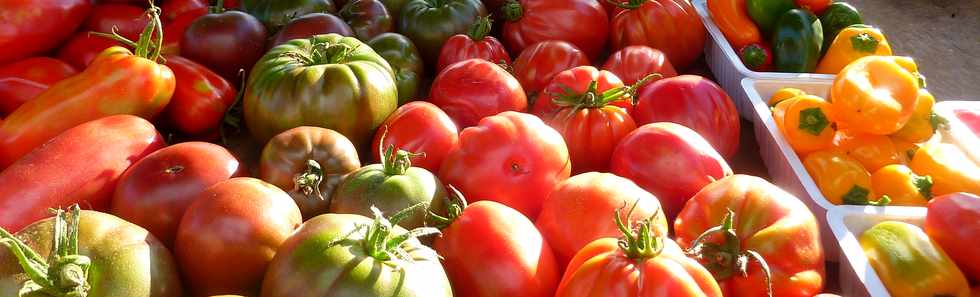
{"x":583,"y":23}
{"x":672,"y":26}
{"x":474,"y":89}
{"x":695,"y":102}
{"x":475,"y":44}
{"x":633,"y":63}
{"x":539,"y":63}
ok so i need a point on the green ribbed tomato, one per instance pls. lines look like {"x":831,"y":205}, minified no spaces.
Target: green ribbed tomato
{"x":327,"y":81}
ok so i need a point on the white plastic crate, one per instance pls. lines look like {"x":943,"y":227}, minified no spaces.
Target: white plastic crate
{"x":729,"y":69}
{"x":958,"y":133}
{"x":857,"y":277}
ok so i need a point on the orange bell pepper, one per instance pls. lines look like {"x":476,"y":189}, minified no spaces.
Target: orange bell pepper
{"x":117,"y":82}
{"x":901,"y":185}
{"x":852,"y":43}
{"x":905,"y":148}
{"x":873,"y":151}
{"x":783,"y":94}
{"x":951,"y":170}
{"x":841,"y":179}
{"x":805,"y":122}
{"x":732,"y":18}
{"x":923,"y":123}
{"x":875,"y":94}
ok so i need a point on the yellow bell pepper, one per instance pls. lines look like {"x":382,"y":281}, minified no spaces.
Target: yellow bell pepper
{"x":873,"y":151}
{"x":901,"y":185}
{"x":852,"y":43}
{"x":910,"y":264}
{"x":951,"y":170}
{"x":805,"y":122}
{"x":923,"y":123}
{"x":783,"y":94}
{"x":841,"y":179}
{"x":875,"y":94}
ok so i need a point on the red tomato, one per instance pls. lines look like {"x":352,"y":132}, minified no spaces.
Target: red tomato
{"x":200,"y":98}
{"x":81,"y":165}
{"x":477,"y":44}
{"x":952,"y":221}
{"x":34,"y":27}
{"x":474,"y":89}
{"x":539,"y":63}
{"x":173,"y":9}
{"x":568,"y":217}
{"x":815,"y":6}
{"x":578,"y":80}
{"x":81,"y":49}
{"x":156,"y":190}
{"x":669,"y":160}
{"x":418,"y":127}
{"x":695,"y":102}
{"x":512,"y":259}
{"x":583,"y":23}
{"x":21,"y":81}
{"x":230,"y":233}
{"x":512,"y":158}
{"x":175,"y":31}
{"x":641,"y":264}
{"x":766,"y":220}
{"x":129,"y":20}
{"x":633,"y":63}
{"x":672,"y":26}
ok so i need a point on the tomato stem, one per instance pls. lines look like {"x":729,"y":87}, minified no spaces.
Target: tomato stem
{"x":727,"y":258}
{"x":149,"y":45}
{"x":630,"y":5}
{"x":481,"y":28}
{"x":638,"y":242}
{"x":218,"y":7}
{"x":512,"y":10}
{"x":309,"y":181}
{"x":381,"y":244}
{"x":65,"y":273}
{"x":456,"y":207}
{"x":395,"y":161}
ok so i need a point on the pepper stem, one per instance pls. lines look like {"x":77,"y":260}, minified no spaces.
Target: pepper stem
{"x":308,"y":182}
{"x":65,"y":273}
{"x":864,"y":42}
{"x":480,"y":28}
{"x":727,"y":258}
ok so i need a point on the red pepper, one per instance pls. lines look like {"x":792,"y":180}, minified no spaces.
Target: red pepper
{"x":117,"y":82}
{"x":200,"y":98}
{"x":23,"y":80}
{"x":756,"y":56}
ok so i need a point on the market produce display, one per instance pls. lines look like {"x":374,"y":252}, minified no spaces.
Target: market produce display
{"x":455,"y":148}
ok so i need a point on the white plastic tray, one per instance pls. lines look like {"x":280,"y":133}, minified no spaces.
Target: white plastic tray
{"x":857,"y":277}
{"x":958,"y":133}
{"x":729,"y":69}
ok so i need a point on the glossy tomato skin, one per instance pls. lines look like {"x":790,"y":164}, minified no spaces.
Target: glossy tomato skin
{"x":406,"y":62}
{"x":418,"y":127}
{"x":291,"y":273}
{"x":367,"y":18}
{"x":578,"y":79}
{"x":568,"y":217}
{"x":670,"y":161}
{"x":309,"y":25}
{"x":275,"y":14}
{"x":512,"y":158}
{"x":537,"y":64}
{"x":126,"y":259}
{"x":156,"y":190}
{"x":602,"y":269}
{"x":391,"y":192}
{"x":951,"y":221}
{"x":200,"y":98}
{"x":583,"y":23}
{"x":263,"y":216}
{"x":175,"y":30}
{"x":129,"y":20}
{"x":286,"y":155}
{"x":430,"y":23}
{"x":591,"y":134}
{"x":82,"y":48}
{"x":633,"y":63}
{"x":769,"y":221}
{"x":514,"y":259}
{"x":225,"y":42}
{"x":695,"y":102}
{"x":173,"y":9}
{"x":476,"y":44}
{"x":474,"y":89}
{"x":21,"y":81}
{"x":646,"y":25}
{"x":81,"y":165}
{"x":48,"y":25}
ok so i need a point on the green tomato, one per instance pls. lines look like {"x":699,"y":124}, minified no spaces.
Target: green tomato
{"x":404,"y":58}
{"x":430,"y":22}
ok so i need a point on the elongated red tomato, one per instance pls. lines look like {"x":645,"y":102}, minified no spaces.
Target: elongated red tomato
{"x":474,"y":89}
{"x":418,"y":127}
{"x":476,"y":44}
{"x":33,"y":27}
{"x":539,"y":63}
{"x":695,"y":102}
{"x":583,"y":23}
{"x":156,"y":190}
{"x":200,"y":98}
{"x":672,"y":26}
{"x":512,"y":158}
{"x":23,"y":80}
{"x":569,"y":221}
{"x":633,"y":63}
{"x":512,"y":259}
{"x":764,"y":219}
{"x":669,"y":160}
{"x":81,"y":165}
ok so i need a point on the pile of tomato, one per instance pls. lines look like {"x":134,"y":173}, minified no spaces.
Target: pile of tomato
{"x":379,"y":148}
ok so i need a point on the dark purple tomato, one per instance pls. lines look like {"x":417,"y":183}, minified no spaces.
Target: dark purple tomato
{"x":225,"y":42}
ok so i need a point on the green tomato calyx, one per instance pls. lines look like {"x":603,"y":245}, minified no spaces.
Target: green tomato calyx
{"x":630,"y":5}
{"x":727,"y":258}
{"x":455,"y":209}
{"x":323,"y":52}
{"x":481,"y":28}
{"x":513,"y":11}
{"x":395,"y":161}
{"x":638,"y":242}
{"x":381,"y":244}
{"x":149,"y":45}
{"x":65,"y":272}
{"x":309,"y":181}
